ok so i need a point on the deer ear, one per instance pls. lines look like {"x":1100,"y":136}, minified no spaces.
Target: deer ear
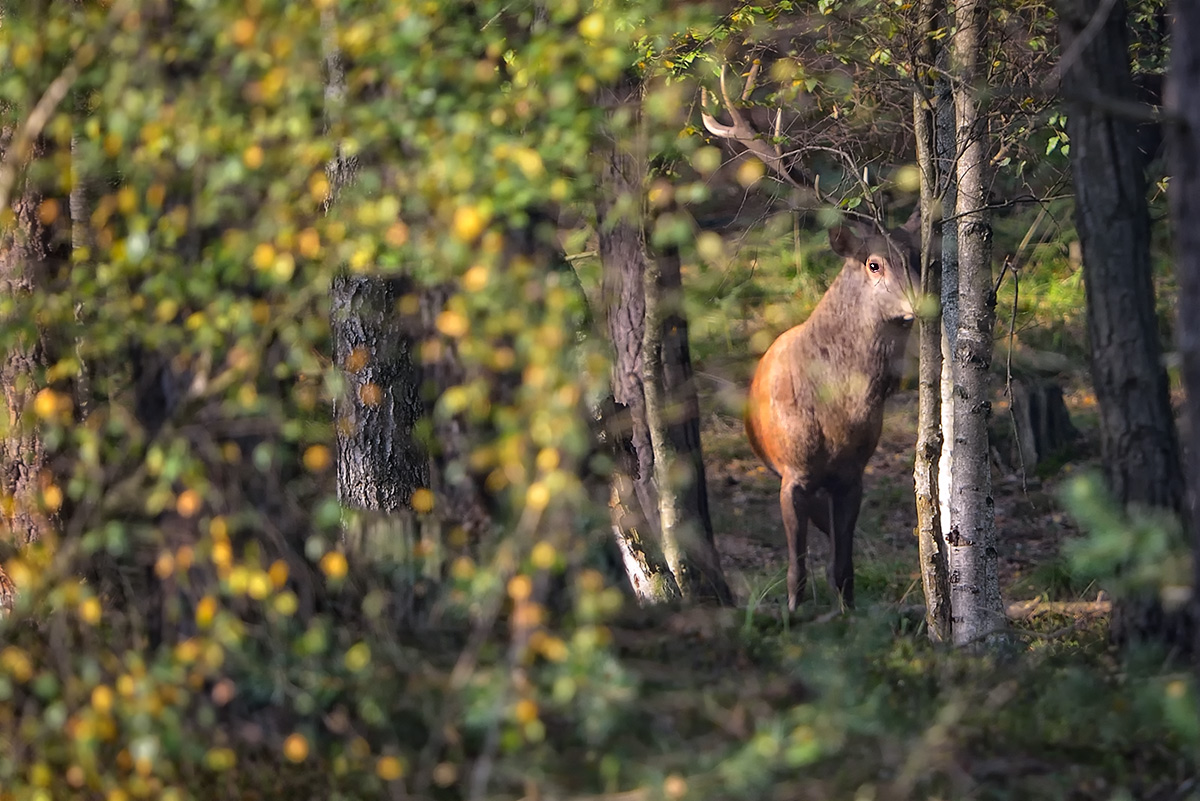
{"x":846,"y":243}
{"x":913,"y":223}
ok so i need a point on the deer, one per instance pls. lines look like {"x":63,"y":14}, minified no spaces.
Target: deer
{"x":815,"y":408}
{"x":814,"y":413}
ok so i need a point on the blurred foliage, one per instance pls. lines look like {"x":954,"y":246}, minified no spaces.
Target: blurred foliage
{"x":1129,"y":550}
{"x":194,"y":629}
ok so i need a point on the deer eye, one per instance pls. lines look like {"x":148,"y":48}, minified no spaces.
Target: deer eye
{"x":874,"y":266}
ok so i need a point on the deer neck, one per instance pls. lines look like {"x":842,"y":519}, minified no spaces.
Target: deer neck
{"x":856,"y":342}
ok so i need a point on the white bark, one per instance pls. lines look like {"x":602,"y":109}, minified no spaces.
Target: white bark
{"x":977,"y":611}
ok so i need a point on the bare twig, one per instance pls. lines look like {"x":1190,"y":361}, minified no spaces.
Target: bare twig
{"x":22,"y":144}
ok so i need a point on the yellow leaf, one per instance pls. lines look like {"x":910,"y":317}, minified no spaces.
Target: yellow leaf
{"x":469,"y":223}
{"x":389,"y":768}
{"x":308,"y":243}
{"x":537,"y":497}
{"x":264,"y":255}
{"x":452,"y":324}
{"x":358,"y":656}
{"x":334,"y":565}
{"x":206,"y":610}
{"x":243,"y":31}
{"x":592,"y":26}
{"x":525,"y":711}
{"x":188,"y":503}
{"x":89,"y":611}
{"x":543,"y":555}
{"x":520,"y":588}
{"x":252,"y":157}
{"x":422,"y":501}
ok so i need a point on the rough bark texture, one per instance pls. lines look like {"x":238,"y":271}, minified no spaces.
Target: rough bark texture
{"x":931,"y":546}
{"x":1137,"y":432}
{"x":1183,"y":138}
{"x":25,"y":253}
{"x":974,"y":581}
{"x":379,"y":464}
{"x":625,"y":254}
{"x":1138,"y":441}
{"x":635,"y":502}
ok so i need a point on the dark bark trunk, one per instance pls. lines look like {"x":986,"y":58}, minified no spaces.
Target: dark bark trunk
{"x":1183,"y":141}
{"x":26,"y":254}
{"x":974,"y":582}
{"x":379,"y":463}
{"x":1138,"y":441}
{"x":931,"y":546}
{"x":625,"y":254}
{"x":1137,"y":433}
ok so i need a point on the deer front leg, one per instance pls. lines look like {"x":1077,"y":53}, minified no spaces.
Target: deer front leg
{"x":794,"y":501}
{"x":846,"y":502}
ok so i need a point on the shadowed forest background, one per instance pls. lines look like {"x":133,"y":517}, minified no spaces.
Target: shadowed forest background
{"x":374,"y":377}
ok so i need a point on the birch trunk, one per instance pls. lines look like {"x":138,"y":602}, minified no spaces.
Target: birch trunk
{"x":931,"y":546}
{"x":946,"y":146}
{"x":978,"y":614}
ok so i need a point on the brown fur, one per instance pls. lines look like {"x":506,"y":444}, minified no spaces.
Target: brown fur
{"x":815,"y":410}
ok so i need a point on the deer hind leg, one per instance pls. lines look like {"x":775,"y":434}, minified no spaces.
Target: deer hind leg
{"x":794,"y":502}
{"x":820,"y":513}
{"x":845,"y":503}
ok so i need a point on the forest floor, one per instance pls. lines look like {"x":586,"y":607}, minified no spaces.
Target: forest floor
{"x":1064,"y":715}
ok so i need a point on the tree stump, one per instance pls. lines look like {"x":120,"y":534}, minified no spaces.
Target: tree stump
{"x":1040,"y":423}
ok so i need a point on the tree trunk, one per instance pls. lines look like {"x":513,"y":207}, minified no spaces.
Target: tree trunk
{"x":635,"y":503}
{"x":663,"y":449}
{"x":1137,"y":433}
{"x":1138,"y":441}
{"x":633,"y":288}
{"x":379,"y":464}
{"x":25,"y":253}
{"x":946,"y":147}
{"x":931,"y":545}
{"x":682,"y":420}
{"x":978,"y":614}
{"x":1183,"y":141}
{"x":26,"y":250}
